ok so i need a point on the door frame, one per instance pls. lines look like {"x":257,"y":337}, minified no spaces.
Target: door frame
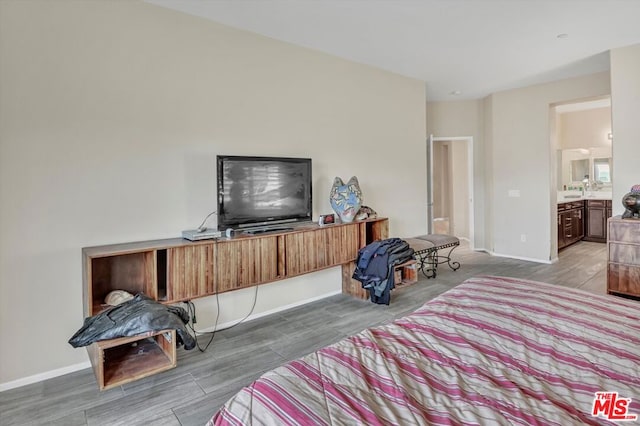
{"x":469,"y":140}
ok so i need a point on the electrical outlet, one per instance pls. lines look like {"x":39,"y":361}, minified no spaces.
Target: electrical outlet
{"x":523,"y":238}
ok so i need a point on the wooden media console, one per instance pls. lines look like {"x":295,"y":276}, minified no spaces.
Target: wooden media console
{"x":175,"y":270}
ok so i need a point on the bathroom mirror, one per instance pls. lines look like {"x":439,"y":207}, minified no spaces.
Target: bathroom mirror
{"x":602,"y":170}
{"x":579,"y":168}
{"x":575,"y":163}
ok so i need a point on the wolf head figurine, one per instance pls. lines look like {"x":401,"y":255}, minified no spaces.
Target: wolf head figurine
{"x":346,"y":199}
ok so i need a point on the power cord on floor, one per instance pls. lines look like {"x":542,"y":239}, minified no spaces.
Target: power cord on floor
{"x":191,"y":309}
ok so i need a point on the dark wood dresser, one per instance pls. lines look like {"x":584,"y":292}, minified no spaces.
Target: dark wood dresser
{"x":623,"y":247}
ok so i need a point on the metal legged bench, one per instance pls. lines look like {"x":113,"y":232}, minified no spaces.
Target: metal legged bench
{"x":427,"y":251}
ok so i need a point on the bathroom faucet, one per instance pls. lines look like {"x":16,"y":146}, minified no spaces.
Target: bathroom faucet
{"x":586,"y":184}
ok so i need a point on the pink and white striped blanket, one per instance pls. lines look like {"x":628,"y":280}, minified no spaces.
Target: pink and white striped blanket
{"x":493,"y":350}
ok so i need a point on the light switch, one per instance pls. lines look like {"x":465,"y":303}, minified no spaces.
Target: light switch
{"x":514,"y":193}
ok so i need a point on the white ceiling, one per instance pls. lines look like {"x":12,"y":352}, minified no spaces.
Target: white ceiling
{"x":476,"y":47}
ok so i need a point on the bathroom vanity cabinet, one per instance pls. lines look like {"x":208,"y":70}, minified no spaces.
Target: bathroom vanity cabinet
{"x":583,"y":220}
{"x":570,"y":223}
{"x":597,"y":212}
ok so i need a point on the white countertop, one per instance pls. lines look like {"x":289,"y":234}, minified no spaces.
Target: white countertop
{"x":568,"y":196}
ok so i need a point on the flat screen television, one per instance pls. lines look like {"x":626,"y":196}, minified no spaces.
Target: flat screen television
{"x":263,"y":191}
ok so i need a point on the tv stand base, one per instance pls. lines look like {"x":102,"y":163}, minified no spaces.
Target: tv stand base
{"x":255,"y":231}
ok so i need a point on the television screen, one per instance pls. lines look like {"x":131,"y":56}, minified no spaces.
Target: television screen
{"x":263,"y":190}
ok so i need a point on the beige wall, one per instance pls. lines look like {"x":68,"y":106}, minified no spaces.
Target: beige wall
{"x":581,"y":135}
{"x":455,"y":118}
{"x":112,"y":114}
{"x":513,"y":151}
{"x":625,"y":106}
{"x":441,"y":180}
{"x":517,"y":151}
{"x":524,"y":160}
{"x":460,"y":189}
{"x":585,"y":129}
{"x":487,"y":178}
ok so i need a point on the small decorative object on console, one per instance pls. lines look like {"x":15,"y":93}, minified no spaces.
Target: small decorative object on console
{"x":346,"y":199}
{"x":631,"y":203}
{"x":366,"y":212}
{"x":327,"y":219}
{"x":116,"y":297}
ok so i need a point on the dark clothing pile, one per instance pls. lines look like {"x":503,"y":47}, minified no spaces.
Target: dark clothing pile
{"x":131,"y":318}
{"x":375,"y":263}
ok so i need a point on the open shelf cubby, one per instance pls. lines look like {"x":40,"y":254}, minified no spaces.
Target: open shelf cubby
{"x":405,"y":273}
{"x":119,"y":361}
{"x":133,"y":272}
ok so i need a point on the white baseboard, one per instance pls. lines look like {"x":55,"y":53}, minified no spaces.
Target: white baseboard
{"x":44,"y":376}
{"x":527,"y":259}
{"x":468,"y":241}
{"x":81,"y":366}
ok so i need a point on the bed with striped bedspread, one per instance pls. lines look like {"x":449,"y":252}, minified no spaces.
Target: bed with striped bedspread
{"x":493,"y":350}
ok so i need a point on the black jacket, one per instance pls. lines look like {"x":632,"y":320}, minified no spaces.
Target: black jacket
{"x":136,"y":316}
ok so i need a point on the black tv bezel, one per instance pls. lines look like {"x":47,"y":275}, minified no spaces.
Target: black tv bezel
{"x":224,"y":223}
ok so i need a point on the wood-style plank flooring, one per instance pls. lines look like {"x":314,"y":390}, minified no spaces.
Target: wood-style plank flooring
{"x":202,"y":382}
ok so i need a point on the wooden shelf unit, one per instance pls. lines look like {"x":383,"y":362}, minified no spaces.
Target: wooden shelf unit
{"x":119,"y":361}
{"x":174,"y":270}
{"x":623,"y":247}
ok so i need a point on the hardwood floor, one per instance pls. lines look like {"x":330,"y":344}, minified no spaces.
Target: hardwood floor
{"x":202,"y":382}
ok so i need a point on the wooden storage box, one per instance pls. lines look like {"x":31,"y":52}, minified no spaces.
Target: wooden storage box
{"x":119,"y":361}
{"x":405,"y":273}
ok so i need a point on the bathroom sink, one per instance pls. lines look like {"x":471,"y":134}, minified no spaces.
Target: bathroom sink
{"x":573,"y":196}
{"x":598,"y":195}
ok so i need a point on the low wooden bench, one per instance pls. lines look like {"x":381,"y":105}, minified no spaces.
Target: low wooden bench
{"x":427,"y":251}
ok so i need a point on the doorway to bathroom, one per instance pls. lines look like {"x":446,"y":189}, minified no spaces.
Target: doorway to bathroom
{"x":581,"y":141}
{"x":450,"y":183}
